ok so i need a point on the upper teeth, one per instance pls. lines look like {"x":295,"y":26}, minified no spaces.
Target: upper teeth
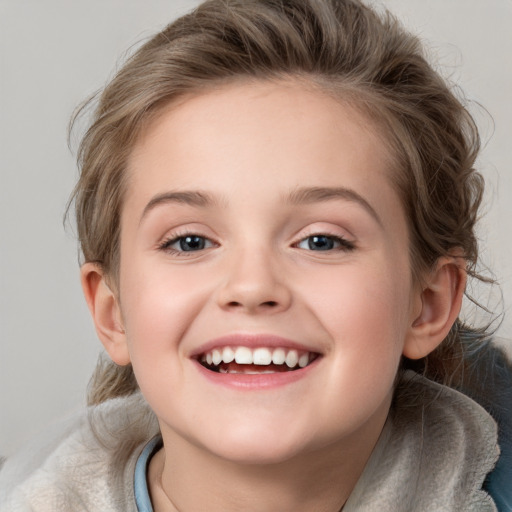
{"x":259,"y":356}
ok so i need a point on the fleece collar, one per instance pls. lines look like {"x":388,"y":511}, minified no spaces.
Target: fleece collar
{"x":433,"y":455}
{"x":434,"y":452}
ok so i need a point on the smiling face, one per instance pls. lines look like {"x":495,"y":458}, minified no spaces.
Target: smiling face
{"x":260,"y":226}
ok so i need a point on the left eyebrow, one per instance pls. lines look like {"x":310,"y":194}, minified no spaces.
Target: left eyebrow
{"x":307,"y":195}
{"x":190,"y":197}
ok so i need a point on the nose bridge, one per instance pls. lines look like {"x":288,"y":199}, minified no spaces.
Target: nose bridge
{"x":254,"y":280}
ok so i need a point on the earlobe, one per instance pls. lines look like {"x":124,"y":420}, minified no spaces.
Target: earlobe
{"x":105,"y":311}
{"x":441,"y":300}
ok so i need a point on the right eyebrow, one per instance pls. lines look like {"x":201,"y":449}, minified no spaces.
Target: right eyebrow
{"x":190,"y":197}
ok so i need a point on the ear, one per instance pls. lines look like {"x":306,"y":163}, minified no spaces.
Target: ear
{"x":105,"y":311}
{"x":440,"y":302}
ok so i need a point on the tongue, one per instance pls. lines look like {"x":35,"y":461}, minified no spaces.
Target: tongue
{"x":252,"y":368}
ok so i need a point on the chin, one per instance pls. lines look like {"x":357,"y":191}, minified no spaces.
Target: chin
{"x":258,"y":448}
{"x":258,"y":455}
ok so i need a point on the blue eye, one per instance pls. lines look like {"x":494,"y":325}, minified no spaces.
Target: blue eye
{"x":187,"y":243}
{"x":325,"y":243}
{"x":191,"y":243}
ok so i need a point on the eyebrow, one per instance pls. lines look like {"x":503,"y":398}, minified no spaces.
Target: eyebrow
{"x":304,"y":195}
{"x":307,"y":195}
{"x":189,"y":197}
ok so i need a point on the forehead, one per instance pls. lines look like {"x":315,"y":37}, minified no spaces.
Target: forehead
{"x":262,"y":127}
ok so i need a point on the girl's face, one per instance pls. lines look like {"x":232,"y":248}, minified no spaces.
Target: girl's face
{"x":260,"y":223}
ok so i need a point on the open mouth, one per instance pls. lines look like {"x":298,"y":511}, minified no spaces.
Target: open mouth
{"x":248,"y":361}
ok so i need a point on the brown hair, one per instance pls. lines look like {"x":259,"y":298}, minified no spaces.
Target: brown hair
{"x":343,"y":47}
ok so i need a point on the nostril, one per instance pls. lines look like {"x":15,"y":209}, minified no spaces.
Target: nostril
{"x":266,"y":304}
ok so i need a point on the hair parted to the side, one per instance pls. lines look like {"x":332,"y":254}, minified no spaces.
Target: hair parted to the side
{"x":339,"y":46}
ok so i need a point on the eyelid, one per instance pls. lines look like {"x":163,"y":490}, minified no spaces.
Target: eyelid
{"x":344,"y":243}
{"x":183,"y":229}
{"x":175,"y":236}
{"x":171,"y":241}
{"x":324,"y":229}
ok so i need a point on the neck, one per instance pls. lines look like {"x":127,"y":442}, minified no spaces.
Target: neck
{"x":183,"y":477}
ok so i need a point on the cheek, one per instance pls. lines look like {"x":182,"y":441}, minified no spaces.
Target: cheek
{"x":358,"y":299}
{"x":158,"y":303}
{"x":159,"y":306}
{"x":364,"y":310}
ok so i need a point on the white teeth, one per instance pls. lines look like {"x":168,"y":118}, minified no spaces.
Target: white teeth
{"x":292,"y":358}
{"x":278,"y":356}
{"x":216,"y":357}
{"x":243,"y":355}
{"x":303,"y":360}
{"x":245,"y":372}
{"x":262,"y":356}
{"x":228,"y":355}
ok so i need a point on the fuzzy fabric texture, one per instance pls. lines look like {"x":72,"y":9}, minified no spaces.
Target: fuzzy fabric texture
{"x":433,"y":455}
{"x":88,"y":465}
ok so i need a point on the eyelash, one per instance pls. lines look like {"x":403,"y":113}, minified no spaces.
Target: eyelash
{"x":343,"y":244}
{"x":167,"y":244}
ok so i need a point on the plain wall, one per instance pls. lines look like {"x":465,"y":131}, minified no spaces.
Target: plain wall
{"x":53,"y":54}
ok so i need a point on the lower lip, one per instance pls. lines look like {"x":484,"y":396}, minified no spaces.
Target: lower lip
{"x":244,"y":381}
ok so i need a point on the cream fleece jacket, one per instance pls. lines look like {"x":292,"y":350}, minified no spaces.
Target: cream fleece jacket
{"x":432,"y":456}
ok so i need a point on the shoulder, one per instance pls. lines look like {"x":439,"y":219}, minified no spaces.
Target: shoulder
{"x":449,"y":420}
{"x":457,"y":441}
{"x":87,"y":463}
{"x":433,"y":455}
{"x":489,"y":382}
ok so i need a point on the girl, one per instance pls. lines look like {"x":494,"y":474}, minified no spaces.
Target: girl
{"x":276,"y":211}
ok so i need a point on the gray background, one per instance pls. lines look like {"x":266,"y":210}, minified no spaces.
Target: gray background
{"x":53,"y":54}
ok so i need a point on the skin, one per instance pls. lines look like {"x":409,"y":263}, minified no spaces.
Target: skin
{"x":249,"y":148}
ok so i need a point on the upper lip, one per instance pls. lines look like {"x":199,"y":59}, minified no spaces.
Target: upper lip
{"x":252,"y":341}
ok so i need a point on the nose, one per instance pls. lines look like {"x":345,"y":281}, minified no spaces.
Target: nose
{"x":254,"y":283}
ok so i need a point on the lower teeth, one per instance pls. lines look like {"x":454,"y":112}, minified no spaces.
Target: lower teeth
{"x":242,"y":372}
{"x":248,"y":369}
